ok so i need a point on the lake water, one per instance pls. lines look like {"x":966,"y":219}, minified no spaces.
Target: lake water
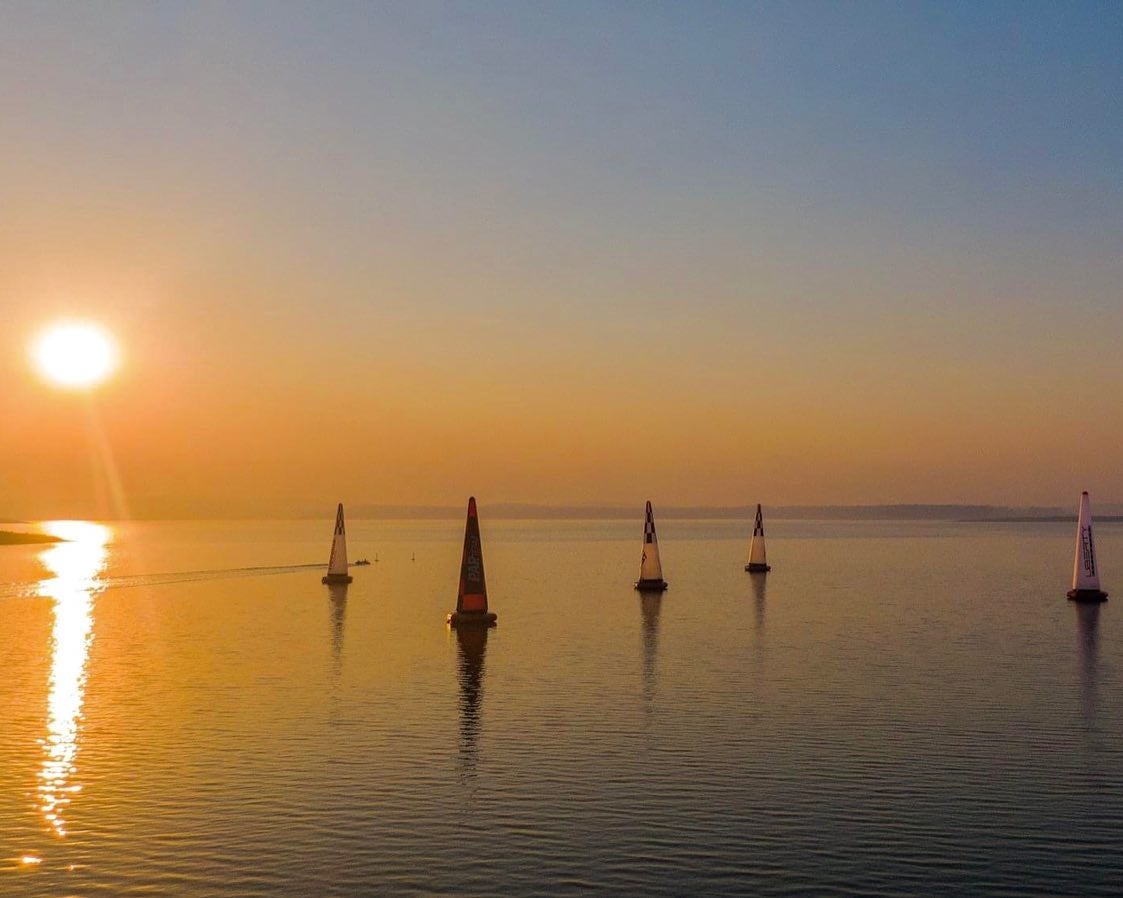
{"x":897,"y":709}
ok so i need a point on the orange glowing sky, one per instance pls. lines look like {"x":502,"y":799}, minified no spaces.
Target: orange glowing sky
{"x":399,"y":255}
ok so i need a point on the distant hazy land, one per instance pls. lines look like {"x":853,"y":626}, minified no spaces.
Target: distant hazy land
{"x":1104,"y":512}
{"x":11,"y":538}
{"x":980,"y":513}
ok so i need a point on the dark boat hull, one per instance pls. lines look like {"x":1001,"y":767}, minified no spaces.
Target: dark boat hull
{"x":758,"y":568}
{"x":1087,"y":595}
{"x":336,"y":579}
{"x":472,"y":618}
{"x":651,"y":585}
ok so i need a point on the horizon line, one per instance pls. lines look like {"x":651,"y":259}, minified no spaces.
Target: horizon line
{"x":968,"y":512}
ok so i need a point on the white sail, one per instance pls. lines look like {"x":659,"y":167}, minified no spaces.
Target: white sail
{"x":649,"y":566}
{"x":337,"y":564}
{"x":1085,"y":572}
{"x":757,"y":554}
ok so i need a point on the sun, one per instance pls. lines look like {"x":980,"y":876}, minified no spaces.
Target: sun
{"x":77,"y":355}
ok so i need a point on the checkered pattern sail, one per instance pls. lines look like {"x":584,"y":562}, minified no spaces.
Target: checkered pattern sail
{"x":649,"y":566}
{"x":472,"y":595}
{"x":1085,"y":575}
{"x":757,"y":554}
{"x":337,"y":563}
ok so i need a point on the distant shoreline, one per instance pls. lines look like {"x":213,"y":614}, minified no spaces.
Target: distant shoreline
{"x":11,"y":538}
{"x":1052,"y":519}
{"x":911,"y":512}
{"x":954,"y":514}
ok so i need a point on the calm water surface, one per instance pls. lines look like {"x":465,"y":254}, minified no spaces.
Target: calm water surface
{"x":897,"y":709}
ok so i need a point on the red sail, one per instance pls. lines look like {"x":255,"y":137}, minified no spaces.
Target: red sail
{"x":473,"y":590}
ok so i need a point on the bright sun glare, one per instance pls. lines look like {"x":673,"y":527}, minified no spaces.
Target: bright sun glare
{"x":75,"y":354}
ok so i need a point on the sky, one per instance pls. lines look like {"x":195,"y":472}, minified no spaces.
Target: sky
{"x":563,"y":252}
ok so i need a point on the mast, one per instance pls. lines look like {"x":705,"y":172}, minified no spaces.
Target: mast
{"x":650,"y":568}
{"x":1085,"y":570}
{"x":758,"y":559}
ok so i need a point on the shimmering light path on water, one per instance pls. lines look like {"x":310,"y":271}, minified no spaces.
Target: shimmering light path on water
{"x":896,"y":709}
{"x":75,"y":565}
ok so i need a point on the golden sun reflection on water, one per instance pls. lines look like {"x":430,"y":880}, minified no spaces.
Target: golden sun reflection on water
{"x":76,"y":565}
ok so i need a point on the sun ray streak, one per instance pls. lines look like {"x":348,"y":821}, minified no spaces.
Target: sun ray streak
{"x":105,"y":465}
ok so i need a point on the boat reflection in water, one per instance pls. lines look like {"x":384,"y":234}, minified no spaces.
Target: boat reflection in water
{"x":76,"y":566}
{"x":1088,"y":621}
{"x":471,"y":643}
{"x":650,"y":604}
{"x":337,"y":594}
{"x":760,"y":589}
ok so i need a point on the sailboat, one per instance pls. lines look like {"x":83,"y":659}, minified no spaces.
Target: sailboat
{"x":758,"y":560}
{"x":337,"y":564}
{"x":471,"y":597}
{"x":1085,"y":572}
{"x":650,"y":569}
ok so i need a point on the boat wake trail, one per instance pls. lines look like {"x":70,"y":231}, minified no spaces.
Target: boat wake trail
{"x":100,"y":584}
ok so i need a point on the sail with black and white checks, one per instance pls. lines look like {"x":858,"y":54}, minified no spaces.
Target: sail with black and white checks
{"x":337,"y":564}
{"x":650,"y":569}
{"x":758,"y":558}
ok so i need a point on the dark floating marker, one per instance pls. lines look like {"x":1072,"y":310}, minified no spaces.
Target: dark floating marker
{"x":650,"y":569}
{"x":758,"y":559}
{"x":1085,"y":573}
{"x":471,"y":598}
{"x":337,"y":564}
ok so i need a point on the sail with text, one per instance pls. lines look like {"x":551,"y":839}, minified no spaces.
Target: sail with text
{"x":337,"y":563}
{"x":471,"y":597}
{"x":758,"y":558}
{"x":1085,"y":565}
{"x":650,"y":568}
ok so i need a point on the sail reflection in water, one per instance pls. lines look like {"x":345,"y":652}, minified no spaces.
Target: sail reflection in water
{"x":75,"y":565}
{"x":338,"y":596}
{"x":650,"y":604}
{"x":760,"y":593}
{"x":472,"y":646}
{"x":1088,"y":619}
